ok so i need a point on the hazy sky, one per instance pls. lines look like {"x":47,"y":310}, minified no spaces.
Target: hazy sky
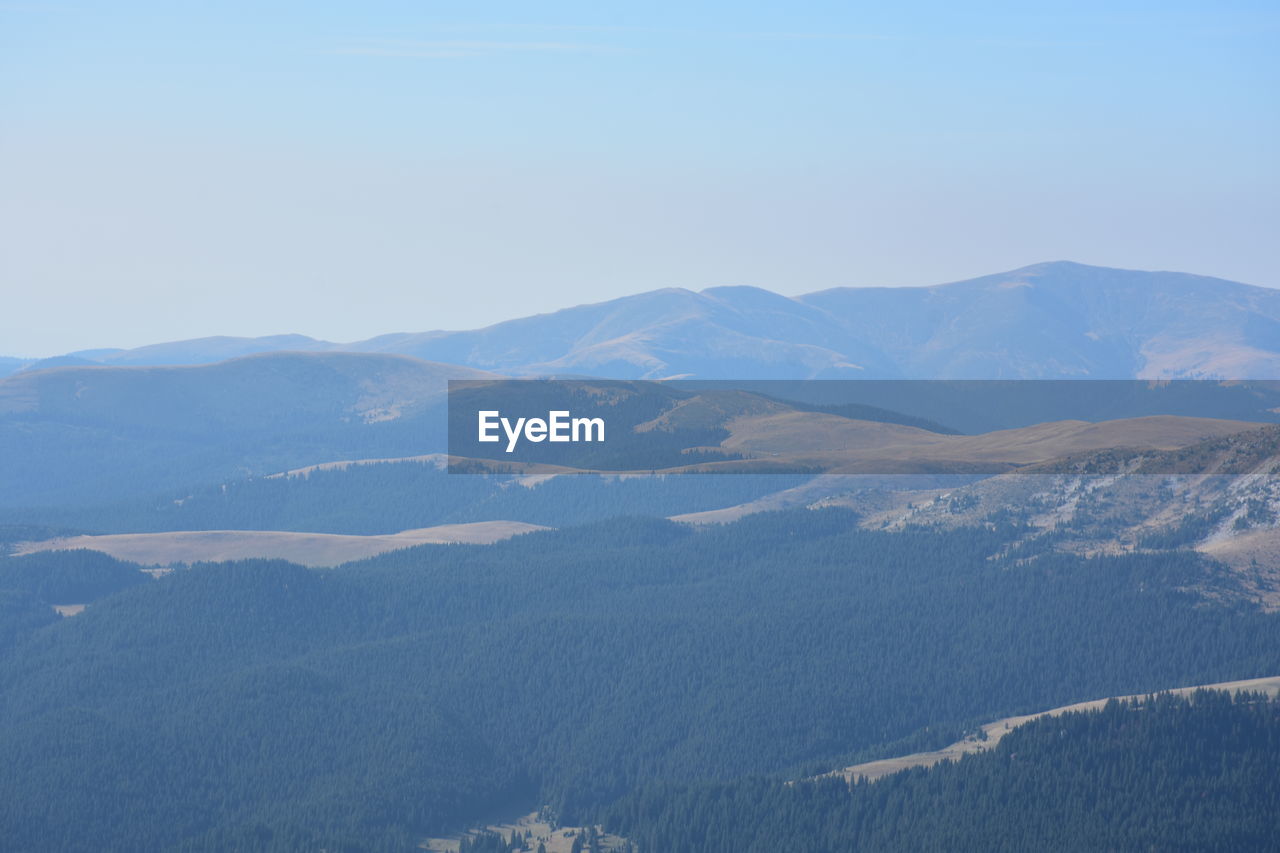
{"x":341,"y":170}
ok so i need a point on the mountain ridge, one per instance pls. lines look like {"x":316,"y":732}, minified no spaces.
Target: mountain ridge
{"x":1052,"y":319}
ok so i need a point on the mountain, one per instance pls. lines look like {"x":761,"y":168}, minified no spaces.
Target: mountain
{"x":725,"y":332}
{"x":1049,"y":320}
{"x":1219,"y":496}
{"x":59,"y":361}
{"x":273,"y":389}
{"x":1069,"y":320}
{"x":11,"y":365}
{"x":73,"y":434}
{"x":205,"y":350}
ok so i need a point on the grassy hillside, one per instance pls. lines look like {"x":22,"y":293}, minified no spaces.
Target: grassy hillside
{"x":308,"y":549}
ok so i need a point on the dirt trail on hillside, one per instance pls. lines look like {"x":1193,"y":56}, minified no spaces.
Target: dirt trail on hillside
{"x":872,"y":770}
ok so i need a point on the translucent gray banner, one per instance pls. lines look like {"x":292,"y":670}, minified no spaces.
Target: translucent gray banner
{"x":863,"y":427}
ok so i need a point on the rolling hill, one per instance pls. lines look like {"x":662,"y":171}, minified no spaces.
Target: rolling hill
{"x":713,"y":426}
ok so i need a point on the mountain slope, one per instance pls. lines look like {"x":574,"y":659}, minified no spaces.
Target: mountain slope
{"x":1066,"y":319}
{"x":78,"y":434}
{"x":718,"y":333}
{"x":205,"y":350}
{"x":1164,"y":773}
{"x":10,"y":365}
{"x":406,"y":693}
{"x":990,"y":734}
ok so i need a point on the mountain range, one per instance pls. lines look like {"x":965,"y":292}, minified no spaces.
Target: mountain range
{"x":679,"y":647}
{"x":1049,"y":320}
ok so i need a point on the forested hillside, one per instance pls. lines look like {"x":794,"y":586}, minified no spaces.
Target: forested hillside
{"x":30,"y":586}
{"x":393,"y":496}
{"x":1162,"y":774}
{"x":271,"y":706}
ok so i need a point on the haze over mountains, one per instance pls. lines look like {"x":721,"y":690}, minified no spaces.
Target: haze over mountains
{"x":742,"y":632}
{"x":1050,"y":320}
{"x":169,"y":415}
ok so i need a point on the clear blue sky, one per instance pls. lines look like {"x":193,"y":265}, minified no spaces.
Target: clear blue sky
{"x":341,"y":170}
